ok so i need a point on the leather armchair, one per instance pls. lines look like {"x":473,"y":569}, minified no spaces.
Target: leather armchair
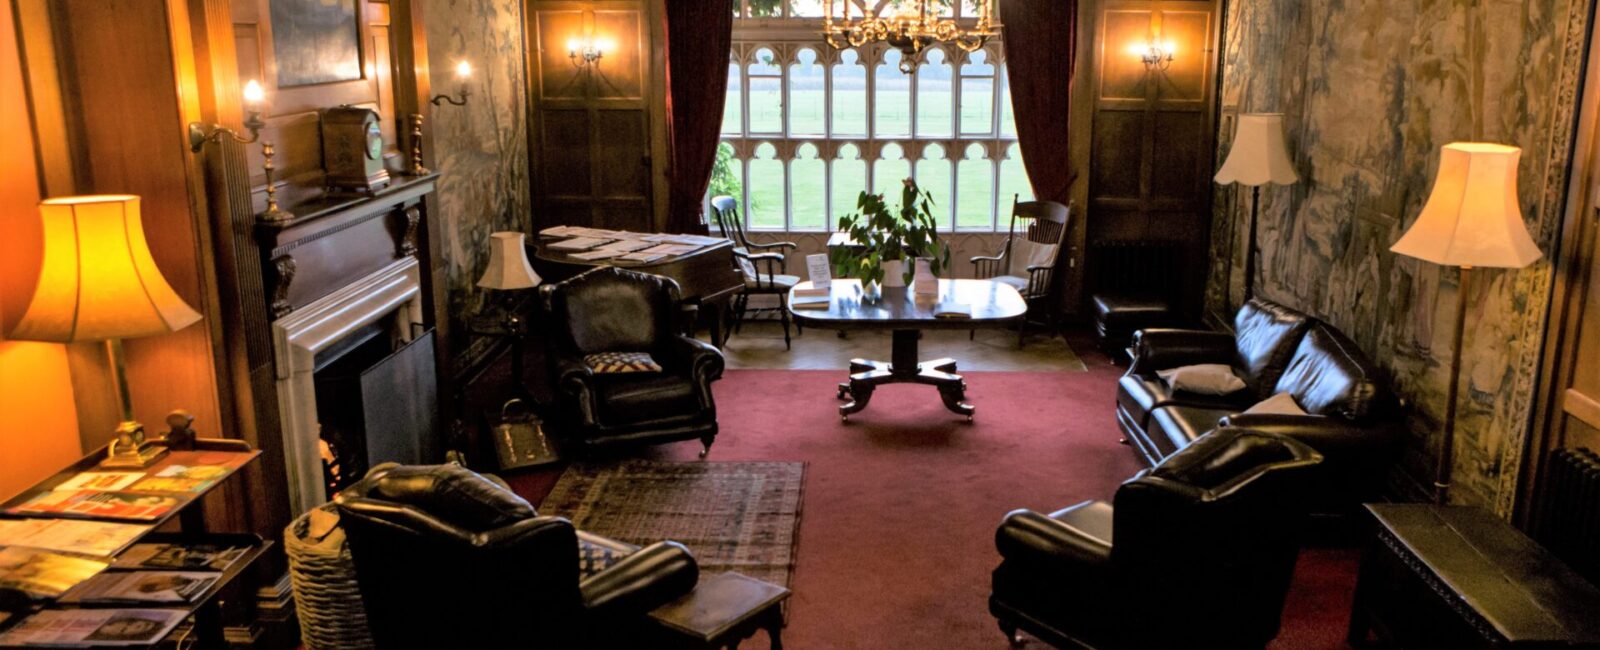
{"x":616,"y":310}
{"x":1197,"y":552}
{"x":1350,"y":420}
{"x":447,"y":559}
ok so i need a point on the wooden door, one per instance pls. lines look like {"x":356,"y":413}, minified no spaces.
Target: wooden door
{"x":1154,"y":130}
{"x":591,"y":121}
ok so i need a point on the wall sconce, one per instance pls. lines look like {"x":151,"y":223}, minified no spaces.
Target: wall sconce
{"x":254,"y":99}
{"x":585,"y":52}
{"x":254,"y":96}
{"x":463,"y":73}
{"x":1156,"y":56}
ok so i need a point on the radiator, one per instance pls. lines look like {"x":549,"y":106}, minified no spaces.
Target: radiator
{"x":1133,"y":268}
{"x":1569,"y":521}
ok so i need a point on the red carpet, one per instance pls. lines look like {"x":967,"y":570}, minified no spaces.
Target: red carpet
{"x":901,"y":503}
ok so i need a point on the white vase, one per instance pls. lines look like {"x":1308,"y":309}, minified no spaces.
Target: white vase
{"x":894,"y":273}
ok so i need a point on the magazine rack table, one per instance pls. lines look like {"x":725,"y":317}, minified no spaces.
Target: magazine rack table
{"x":228,"y":456}
{"x":993,"y":305}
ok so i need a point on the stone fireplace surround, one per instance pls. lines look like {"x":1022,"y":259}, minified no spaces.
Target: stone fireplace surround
{"x":393,"y":292}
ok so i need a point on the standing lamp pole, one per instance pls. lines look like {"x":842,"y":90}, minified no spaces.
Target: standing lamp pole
{"x":1447,"y":442}
{"x":1250,"y":251}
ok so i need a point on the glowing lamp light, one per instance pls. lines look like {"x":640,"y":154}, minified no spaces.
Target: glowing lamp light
{"x":587,"y":51}
{"x":253,"y":94}
{"x":463,"y":70}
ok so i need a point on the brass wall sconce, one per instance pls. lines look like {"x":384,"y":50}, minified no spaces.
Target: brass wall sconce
{"x":1156,"y":56}
{"x":463,"y":73}
{"x":254,"y":99}
{"x":585,"y":52}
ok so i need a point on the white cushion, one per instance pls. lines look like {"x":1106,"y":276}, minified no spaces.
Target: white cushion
{"x":1280,"y":404}
{"x":1018,"y":283}
{"x":1206,"y":378}
{"x":1026,"y":254}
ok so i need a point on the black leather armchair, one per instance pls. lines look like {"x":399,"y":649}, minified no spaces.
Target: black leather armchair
{"x":616,"y":310}
{"x":1196,"y":553}
{"x":1350,"y":418}
{"x":447,"y":559}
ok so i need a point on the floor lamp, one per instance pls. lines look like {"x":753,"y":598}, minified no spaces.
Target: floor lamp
{"x":509,"y":270}
{"x":1258,"y":157}
{"x":98,"y":282}
{"x":1471,"y":219}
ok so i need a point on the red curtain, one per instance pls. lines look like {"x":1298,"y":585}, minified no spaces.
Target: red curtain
{"x":699,"y":39}
{"x":1041,"y":42}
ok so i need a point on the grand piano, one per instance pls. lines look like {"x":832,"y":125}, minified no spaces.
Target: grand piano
{"x":709,"y":277}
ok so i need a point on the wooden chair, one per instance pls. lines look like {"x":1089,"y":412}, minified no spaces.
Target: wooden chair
{"x":1028,"y":263}
{"x":765,"y":266}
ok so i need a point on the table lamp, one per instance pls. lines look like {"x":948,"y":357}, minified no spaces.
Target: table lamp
{"x":1258,"y":156}
{"x":509,"y":270}
{"x":98,"y":282}
{"x":1472,"y":218}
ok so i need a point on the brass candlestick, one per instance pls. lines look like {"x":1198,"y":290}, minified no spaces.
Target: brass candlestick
{"x":273,"y":214}
{"x":416,"y":146}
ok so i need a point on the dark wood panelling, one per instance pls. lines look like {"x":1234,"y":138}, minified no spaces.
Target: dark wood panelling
{"x":1150,"y":175}
{"x":593,"y":145}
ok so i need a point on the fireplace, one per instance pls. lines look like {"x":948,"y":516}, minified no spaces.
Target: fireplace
{"x":363,"y":339}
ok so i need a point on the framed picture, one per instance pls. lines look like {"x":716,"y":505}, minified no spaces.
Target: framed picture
{"x":316,"y":41}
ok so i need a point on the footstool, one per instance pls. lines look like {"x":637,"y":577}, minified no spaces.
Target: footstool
{"x":1117,"y":317}
{"x":723,"y":610}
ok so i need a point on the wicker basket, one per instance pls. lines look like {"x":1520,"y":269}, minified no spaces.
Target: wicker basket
{"x":326,"y":595}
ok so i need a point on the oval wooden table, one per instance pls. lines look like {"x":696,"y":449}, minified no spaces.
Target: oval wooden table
{"x":993,"y":305}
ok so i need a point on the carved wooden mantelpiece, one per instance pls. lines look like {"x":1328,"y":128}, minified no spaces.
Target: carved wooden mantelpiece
{"x":333,"y":239}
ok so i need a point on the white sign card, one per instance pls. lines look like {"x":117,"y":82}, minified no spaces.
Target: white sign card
{"x":818,"y":271}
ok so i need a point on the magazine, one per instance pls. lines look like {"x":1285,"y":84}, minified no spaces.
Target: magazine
{"x":142,"y":587}
{"x":100,"y":505}
{"x":204,"y":557}
{"x":170,"y":484}
{"x":45,"y":574}
{"x":100,"y":481}
{"x":70,"y":535}
{"x":93,"y":627}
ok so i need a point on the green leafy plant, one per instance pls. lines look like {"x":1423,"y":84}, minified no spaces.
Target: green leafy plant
{"x":906,"y":232}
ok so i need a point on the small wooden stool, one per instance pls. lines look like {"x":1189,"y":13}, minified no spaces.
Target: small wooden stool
{"x":722,"y":611}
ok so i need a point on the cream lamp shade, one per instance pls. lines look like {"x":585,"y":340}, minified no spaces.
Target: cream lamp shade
{"x":1472,"y":217}
{"x":508,"y":264}
{"x":1258,"y":155}
{"x":97,"y":279}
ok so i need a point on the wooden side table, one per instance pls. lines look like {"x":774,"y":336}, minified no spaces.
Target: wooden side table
{"x":1460,"y":577}
{"x":722,"y":611}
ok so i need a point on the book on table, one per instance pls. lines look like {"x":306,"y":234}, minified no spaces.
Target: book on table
{"x":44,"y":574}
{"x":187,"y":556}
{"x":578,"y":244}
{"x":811,"y":302}
{"x":810,"y":288}
{"x":70,"y":535}
{"x":93,"y":628}
{"x":142,"y":587}
{"x":132,"y":506}
{"x":950,"y":309}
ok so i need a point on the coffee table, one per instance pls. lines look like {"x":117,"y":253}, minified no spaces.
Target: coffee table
{"x":994,"y":306}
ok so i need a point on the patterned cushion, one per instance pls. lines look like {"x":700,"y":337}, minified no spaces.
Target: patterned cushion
{"x":596,"y":553}
{"x":619,"y":362}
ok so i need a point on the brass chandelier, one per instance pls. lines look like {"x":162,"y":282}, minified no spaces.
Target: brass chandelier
{"x":910,"y":26}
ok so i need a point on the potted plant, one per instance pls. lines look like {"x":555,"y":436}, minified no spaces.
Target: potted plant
{"x":886,"y":240}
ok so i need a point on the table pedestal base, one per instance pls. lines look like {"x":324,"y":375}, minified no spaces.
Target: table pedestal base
{"x":866,"y":375}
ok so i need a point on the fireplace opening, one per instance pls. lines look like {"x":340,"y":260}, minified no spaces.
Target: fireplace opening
{"x":376,"y":402}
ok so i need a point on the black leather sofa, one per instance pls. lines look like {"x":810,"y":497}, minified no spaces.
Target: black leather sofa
{"x":1196,"y":553}
{"x":447,"y":559}
{"x":616,"y":310}
{"x":1352,"y":418}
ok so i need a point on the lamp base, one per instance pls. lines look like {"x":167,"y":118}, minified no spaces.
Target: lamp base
{"x":130,"y":449}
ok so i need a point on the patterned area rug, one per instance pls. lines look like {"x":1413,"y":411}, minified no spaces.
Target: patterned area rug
{"x":742,"y":517}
